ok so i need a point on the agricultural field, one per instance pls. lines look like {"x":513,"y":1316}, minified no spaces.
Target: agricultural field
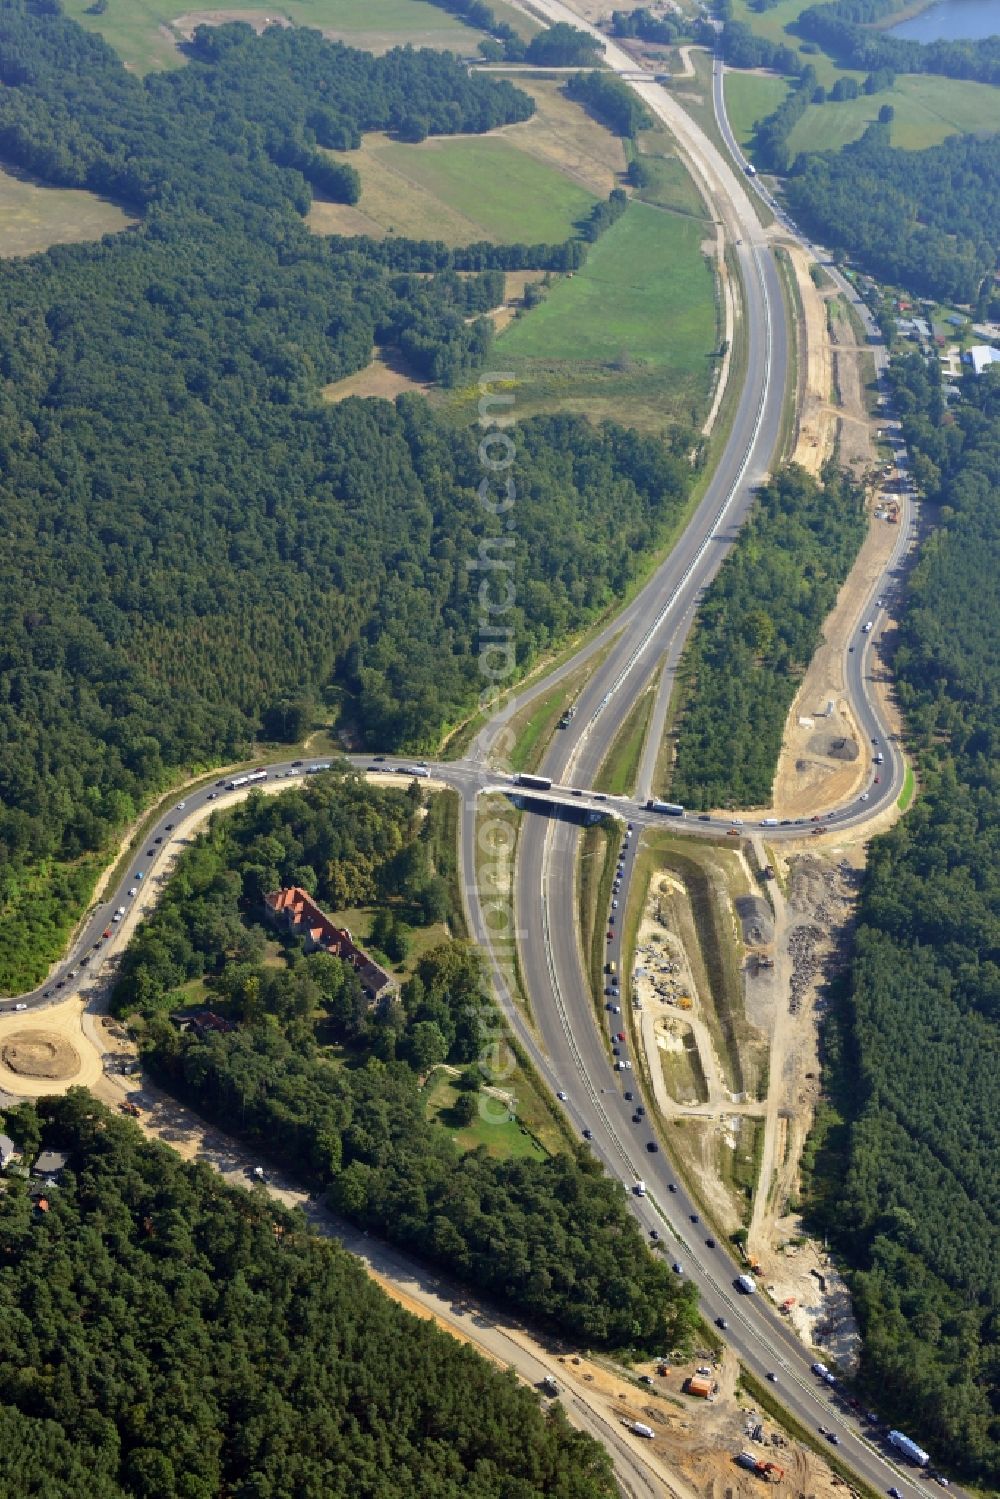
{"x":145,"y":33}
{"x":532,"y":181}
{"x":927,"y":111}
{"x":631,"y":335}
{"x":32,"y":217}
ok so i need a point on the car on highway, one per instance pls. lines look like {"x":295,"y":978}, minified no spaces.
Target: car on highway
{"x":704,"y":817}
{"x":616,"y":1009}
{"x":652,"y":1147}
{"x":151,"y":853}
{"x":614,"y":905}
{"x":619,"y":1035}
{"x":709,"y":1243}
{"x":157,"y":840}
{"x":672,"y":1187}
{"x":694,"y":1218}
{"x":168,"y":827}
{"x":721,"y":1322}
{"x":677,"y":1267}
{"x":213,"y":796}
{"x":133,"y":890}
{"x":832,"y":1436}
{"x":628,"y":1094}
{"x":616,"y":1051}
{"x":894,"y":1493}
{"x":21,"y":1006}
{"x":610,"y":936}
{"x":588,"y":1134}
{"x":630,"y":827}
{"x":654,"y":1233}
{"x":181,"y":806}
{"x":561,"y":1096}
{"x":772,"y":1376}
{"x":863,"y":797}
{"x":106,"y":933}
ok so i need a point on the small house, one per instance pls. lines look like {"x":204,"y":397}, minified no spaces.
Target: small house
{"x":8,"y":1152}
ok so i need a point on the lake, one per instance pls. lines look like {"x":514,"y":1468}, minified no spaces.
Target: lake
{"x":952,"y":21}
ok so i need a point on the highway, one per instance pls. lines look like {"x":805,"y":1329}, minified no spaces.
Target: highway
{"x":564,"y":1042}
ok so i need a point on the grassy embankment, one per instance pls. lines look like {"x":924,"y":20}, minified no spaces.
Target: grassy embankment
{"x":595,"y":876}
{"x":620,"y":767}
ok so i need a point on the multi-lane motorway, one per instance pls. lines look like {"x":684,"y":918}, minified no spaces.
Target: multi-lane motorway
{"x":563,"y":1041}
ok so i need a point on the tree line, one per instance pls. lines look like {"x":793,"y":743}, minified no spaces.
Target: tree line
{"x":193,"y":537}
{"x":906,"y":1184}
{"x":756,"y":631}
{"x":167,"y":1336}
{"x":330,"y":1087}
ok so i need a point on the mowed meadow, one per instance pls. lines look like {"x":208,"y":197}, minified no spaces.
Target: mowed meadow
{"x":33,"y":217}
{"x":146,"y":33}
{"x":630,"y":335}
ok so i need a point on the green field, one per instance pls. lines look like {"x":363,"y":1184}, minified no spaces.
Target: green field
{"x":502,"y":1139}
{"x":635,"y":327}
{"x":492,"y":185}
{"x":140,"y":30}
{"x":33,"y":217}
{"x":749,"y":97}
{"x":927,"y":111}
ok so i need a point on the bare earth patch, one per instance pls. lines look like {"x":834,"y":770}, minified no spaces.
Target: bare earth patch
{"x":386,"y":377}
{"x":41,"y":1054}
{"x":817,"y":419}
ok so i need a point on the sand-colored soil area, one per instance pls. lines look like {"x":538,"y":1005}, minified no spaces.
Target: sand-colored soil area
{"x":47,"y":1047}
{"x":43,"y":1055}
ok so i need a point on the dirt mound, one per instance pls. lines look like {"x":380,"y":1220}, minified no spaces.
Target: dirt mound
{"x":40,"y":1054}
{"x":755,"y":917}
{"x":836,"y":746}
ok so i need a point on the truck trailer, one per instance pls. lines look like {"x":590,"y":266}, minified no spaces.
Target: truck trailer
{"x":672,"y":809}
{"x":909,"y":1449}
{"x":535,"y":783}
{"x":746,"y":1284}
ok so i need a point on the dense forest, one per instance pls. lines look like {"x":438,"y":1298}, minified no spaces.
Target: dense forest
{"x":316,"y":1079}
{"x":907,"y":1188}
{"x":928,"y":220}
{"x":192,"y":537}
{"x":165,"y":1336}
{"x":757,"y":630}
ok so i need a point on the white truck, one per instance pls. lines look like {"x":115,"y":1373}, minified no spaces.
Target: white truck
{"x":746,"y":1284}
{"x":639,"y":1189}
{"x":641,"y":1429}
{"x":909,"y":1449}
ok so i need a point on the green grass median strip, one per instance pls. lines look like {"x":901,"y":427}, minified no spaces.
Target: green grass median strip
{"x":618,"y":771}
